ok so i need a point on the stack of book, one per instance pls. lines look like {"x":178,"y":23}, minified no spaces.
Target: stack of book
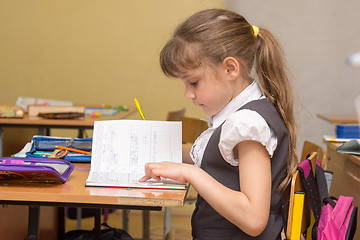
{"x":348,"y":131}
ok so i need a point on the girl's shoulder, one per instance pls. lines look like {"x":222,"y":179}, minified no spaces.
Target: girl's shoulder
{"x":245,"y":117}
{"x":245,"y":125}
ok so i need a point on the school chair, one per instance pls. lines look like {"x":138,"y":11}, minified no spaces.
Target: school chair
{"x":191,"y":130}
{"x":175,"y":115}
{"x":299,"y":213}
{"x":310,"y":147}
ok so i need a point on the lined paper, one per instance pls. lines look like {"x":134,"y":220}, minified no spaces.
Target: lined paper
{"x":121,"y":148}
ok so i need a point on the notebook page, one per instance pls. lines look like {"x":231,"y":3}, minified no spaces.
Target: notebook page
{"x":122,"y":147}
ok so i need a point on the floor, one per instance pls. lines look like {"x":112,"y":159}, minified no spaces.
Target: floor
{"x":181,"y":217}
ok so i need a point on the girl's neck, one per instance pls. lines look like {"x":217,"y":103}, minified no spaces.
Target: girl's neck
{"x":240,"y":85}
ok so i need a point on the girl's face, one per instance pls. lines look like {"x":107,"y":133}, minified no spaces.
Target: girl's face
{"x":208,"y":88}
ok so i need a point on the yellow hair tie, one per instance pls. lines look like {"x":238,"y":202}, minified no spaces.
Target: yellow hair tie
{"x":255,"y":30}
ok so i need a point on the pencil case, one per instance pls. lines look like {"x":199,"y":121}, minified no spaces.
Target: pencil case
{"x":44,"y":146}
{"x":35,"y":170}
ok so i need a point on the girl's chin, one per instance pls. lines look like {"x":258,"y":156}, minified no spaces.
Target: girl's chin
{"x":207,"y":111}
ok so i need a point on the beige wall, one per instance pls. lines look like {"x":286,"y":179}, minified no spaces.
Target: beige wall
{"x":318,"y":37}
{"x":92,"y":52}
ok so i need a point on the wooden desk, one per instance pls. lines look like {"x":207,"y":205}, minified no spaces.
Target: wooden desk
{"x":339,"y":118}
{"x":346,"y":176}
{"x":73,"y":193}
{"x":87,"y":122}
{"x":42,"y":124}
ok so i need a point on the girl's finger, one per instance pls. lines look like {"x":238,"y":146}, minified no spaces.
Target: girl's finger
{"x":144,"y":179}
{"x":149,"y":173}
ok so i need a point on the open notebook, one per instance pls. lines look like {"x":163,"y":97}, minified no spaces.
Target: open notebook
{"x":122,"y":147}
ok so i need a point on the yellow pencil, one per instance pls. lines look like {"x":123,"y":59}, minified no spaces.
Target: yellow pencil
{"x":139,"y":109}
{"x":73,"y":150}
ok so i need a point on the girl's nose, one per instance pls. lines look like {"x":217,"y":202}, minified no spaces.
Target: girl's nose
{"x":189,"y":93}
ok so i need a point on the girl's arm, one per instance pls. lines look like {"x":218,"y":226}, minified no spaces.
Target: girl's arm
{"x":247,"y":209}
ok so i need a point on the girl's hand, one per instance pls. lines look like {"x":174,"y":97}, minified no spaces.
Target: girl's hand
{"x":174,"y":171}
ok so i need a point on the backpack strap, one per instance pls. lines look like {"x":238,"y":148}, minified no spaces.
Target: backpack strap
{"x":315,"y":189}
{"x":321,"y":183}
{"x":310,"y":186}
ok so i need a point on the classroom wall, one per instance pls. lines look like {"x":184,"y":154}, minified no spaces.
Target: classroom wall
{"x":317,"y":37}
{"x":93,"y":52}
{"x":106,"y":52}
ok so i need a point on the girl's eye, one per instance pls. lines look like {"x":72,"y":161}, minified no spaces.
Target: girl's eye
{"x":193,"y":83}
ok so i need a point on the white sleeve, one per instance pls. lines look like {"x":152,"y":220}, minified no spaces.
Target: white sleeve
{"x":245,"y":125}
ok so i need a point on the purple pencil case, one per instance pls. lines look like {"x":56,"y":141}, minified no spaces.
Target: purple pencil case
{"x":35,"y":170}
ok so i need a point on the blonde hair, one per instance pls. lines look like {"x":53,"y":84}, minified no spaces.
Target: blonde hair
{"x":209,"y":36}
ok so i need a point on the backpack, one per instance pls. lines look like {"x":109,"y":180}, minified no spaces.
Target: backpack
{"x":334,"y":218}
{"x":105,"y":234}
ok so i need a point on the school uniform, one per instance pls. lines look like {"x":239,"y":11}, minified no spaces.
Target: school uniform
{"x":250,"y":116}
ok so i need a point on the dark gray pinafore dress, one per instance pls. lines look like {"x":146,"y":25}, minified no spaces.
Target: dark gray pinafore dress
{"x":206,"y":222}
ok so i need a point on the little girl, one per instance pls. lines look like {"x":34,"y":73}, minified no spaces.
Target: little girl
{"x":242,"y":165}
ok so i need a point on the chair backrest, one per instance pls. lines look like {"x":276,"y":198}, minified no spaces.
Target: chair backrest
{"x":295,"y":187}
{"x":175,"y":115}
{"x":192,"y":128}
{"x":310,"y":147}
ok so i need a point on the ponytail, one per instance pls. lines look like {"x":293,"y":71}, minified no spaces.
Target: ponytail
{"x":273,"y":80}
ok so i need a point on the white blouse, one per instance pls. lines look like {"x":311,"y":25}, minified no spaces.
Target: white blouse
{"x":240,"y":125}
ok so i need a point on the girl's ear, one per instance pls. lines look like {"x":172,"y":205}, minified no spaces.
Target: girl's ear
{"x":231,"y":67}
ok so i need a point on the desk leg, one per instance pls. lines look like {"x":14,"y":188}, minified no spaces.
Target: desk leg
{"x":61,"y":223}
{"x":81,"y":133}
{"x":167,"y":221}
{"x":97,"y":224}
{"x":125,"y":218}
{"x":33,"y":223}
{"x":41,"y":131}
{"x":47,"y":132}
{"x":146,"y":224}
{"x":78,"y":217}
